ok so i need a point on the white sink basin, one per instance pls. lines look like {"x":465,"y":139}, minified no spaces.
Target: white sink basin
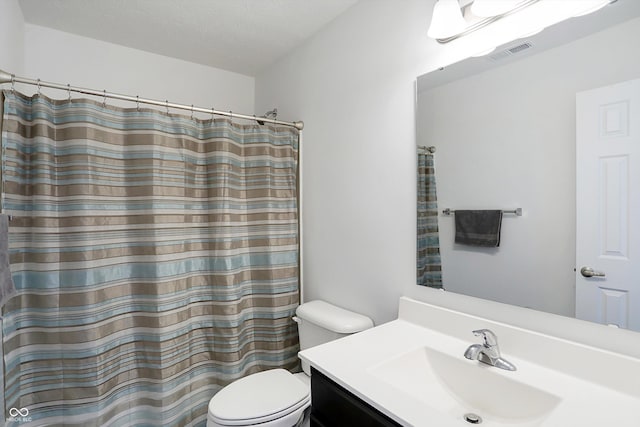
{"x":457,"y":386}
{"x":413,"y":370}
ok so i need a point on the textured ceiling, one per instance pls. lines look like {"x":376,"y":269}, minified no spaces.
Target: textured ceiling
{"x":243,"y":36}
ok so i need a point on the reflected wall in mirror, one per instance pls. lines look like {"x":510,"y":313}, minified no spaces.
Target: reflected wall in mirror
{"x":506,"y":138}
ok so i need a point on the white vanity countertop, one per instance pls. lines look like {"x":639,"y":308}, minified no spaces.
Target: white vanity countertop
{"x":352,"y":362}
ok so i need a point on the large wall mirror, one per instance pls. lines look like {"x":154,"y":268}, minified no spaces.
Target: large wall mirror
{"x":504,"y":128}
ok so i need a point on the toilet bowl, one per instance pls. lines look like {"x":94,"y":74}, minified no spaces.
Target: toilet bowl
{"x":276,"y":397}
{"x":273,"y":398}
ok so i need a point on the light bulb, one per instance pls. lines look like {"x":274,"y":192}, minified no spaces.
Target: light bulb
{"x":483,"y":53}
{"x":489,"y":8}
{"x":531,"y":33}
{"x":447,"y":19}
{"x":594,"y":8}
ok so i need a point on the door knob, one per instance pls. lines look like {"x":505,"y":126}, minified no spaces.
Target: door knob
{"x":590,"y":272}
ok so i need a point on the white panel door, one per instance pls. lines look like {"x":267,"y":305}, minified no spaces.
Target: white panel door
{"x":608,"y":205}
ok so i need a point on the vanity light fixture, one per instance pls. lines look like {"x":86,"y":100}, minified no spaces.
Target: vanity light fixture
{"x":453,"y":19}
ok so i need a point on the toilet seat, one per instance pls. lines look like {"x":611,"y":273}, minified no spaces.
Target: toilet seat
{"x":260,"y":398}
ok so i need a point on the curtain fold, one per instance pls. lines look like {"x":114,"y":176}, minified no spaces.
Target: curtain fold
{"x":155,"y":257}
{"x":428,"y":244}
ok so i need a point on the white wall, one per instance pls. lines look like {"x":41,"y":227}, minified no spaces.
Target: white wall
{"x":506,"y":139}
{"x":354,"y":86}
{"x":61,"y":57}
{"x":11,"y":37}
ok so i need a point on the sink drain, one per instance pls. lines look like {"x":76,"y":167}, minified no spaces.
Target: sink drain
{"x":472,"y":418}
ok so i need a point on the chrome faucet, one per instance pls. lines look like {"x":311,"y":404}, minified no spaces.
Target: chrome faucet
{"x":488,"y":352}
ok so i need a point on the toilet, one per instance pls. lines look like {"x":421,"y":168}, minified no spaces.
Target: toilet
{"x":276,"y":397}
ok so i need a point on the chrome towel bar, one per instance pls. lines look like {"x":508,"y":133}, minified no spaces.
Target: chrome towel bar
{"x":517,"y":212}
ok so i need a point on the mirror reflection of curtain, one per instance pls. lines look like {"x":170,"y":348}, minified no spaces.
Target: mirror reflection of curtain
{"x":155,"y":257}
{"x":428,"y":257}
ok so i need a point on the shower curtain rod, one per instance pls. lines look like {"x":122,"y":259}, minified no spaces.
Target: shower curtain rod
{"x":11,"y":78}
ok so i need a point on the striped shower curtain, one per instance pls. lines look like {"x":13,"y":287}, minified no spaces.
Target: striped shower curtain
{"x":155,"y":257}
{"x":428,"y":257}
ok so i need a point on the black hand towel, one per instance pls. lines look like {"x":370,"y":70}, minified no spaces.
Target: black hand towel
{"x":478,"y":227}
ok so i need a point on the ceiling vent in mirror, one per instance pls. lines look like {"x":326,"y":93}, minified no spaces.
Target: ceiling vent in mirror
{"x":503,"y":54}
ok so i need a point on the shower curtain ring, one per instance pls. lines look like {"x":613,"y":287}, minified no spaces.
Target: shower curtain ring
{"x":39,"y":93}
{"x":69,"y":91}
{"x":137,"y":103}
{"x":191,"y":111}
{"x":213,"y":113}
{"x":166,"y":102}
{"x":13,"y":83}
{"x":104,"y":98}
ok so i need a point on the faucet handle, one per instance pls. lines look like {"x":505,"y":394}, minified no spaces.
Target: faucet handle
{"x":489,"y":339}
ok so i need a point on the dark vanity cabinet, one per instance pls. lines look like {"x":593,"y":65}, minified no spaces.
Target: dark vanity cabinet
{"x":333,"y":406}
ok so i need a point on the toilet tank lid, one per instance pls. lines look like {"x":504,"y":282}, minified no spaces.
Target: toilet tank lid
{"x":333,"y":318}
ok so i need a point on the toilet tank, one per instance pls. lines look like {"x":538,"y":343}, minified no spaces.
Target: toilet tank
{"x":320,"y":322}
